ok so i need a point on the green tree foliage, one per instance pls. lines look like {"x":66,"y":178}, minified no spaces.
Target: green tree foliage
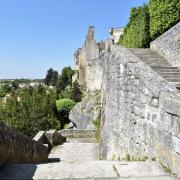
{"x":5,"y":89}
{"x":65,"y":79}
{"x":66,"y":93}
{"x":32,"y":110}
{"x":51,"y":77}
{"x":73,"y":92}
{"x":136,"y":33}
{"x":76,"y":92}
{"x":163,"y":15}
{"x":64,"y":106}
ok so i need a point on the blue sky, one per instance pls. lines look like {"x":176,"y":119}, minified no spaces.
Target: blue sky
{"x":38,"y":34}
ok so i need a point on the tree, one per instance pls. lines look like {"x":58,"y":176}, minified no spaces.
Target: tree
{"x":163,"y":15}
{"x":65,"y":79}
{"x":136,"y":33}
{"x":76,"y":92}
{"x":51,"y":77}
{"x":5,"y":89}
{"x":30,"y":111}
{"x":15,"y":84}
{"x":64,"y":106}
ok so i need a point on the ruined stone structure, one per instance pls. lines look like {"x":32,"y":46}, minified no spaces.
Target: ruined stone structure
{"x":115,"y":34}
{"x":141,"y":100}
{"x":90,"y":50}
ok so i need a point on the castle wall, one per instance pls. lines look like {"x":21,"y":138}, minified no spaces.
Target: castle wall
{"x":94,"y":74}
{"x":168,"y":45}
{"x":141,"y":116}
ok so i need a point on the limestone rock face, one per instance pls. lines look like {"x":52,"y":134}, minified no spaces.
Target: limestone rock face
{"x":87,"y":111}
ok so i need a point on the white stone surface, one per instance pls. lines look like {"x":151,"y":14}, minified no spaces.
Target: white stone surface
{"x":80,"y":161}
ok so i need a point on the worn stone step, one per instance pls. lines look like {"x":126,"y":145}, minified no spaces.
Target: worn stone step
{"x":169,"y":73}
{"x":86,"y":170}
{"x":164,"y":67}
{"x":75,"y":151}
{"x":166,"y":70}
{"x":157,"y":63}
{"x":173,"y":79}
{"x":171,"y":76}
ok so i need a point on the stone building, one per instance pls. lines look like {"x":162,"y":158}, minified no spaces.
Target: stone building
{"x":90,"y":50}
{"x":115,"y":34}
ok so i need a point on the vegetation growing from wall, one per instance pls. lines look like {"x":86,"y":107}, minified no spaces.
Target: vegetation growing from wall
{"x":136,"y":33}
{"x":163,"y":15}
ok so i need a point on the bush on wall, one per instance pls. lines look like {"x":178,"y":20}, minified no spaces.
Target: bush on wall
{"x":136,"y":33}
{"x":163,"y":15}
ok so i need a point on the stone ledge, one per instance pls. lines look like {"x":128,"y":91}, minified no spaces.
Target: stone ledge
{"x":78,"y":133}
{"x":40,"y":137}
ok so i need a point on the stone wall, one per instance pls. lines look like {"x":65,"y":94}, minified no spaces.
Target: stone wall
{"x":140,"y":115}
{"x":94,"y":74}
{"x":168,"y":45}
{"x":89,"y":51}
{"x":18,"y":148}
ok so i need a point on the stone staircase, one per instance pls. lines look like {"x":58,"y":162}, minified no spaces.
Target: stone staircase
{"x":159,"y":64}
{"x":78,"y":159}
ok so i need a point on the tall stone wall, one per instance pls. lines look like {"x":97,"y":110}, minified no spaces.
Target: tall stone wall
{"x":94,"y":74}
{"x":168,"y":45}
{"x":140,"y":115}
{"x":18,"y":148}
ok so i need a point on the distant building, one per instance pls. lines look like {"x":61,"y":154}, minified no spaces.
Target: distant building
{"x":90,"y":50}
{"x":115,"y":34}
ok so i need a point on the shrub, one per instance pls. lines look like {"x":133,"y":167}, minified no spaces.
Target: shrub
{"x":64,"y":106}
{"x":32,"y":110}
{"x":73,"y":92}
{"x":136,"y":33}
{"x":163,"y":15}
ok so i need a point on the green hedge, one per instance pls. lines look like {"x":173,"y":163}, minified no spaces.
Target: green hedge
{"x":64,"y":107}
{"x":163,"y":15}
{"x":136,"y":33}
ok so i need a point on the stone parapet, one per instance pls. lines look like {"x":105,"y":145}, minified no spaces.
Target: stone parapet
{"x":16,"y":147}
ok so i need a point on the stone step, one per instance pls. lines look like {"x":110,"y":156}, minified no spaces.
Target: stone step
{"x":166,"y":70}
{"x":75,"y":151}
{"x":82,"y":140}
{"x":169,"y":73}
{"x":86,"y":170}
{"x":173,"y":79}
{"x":164,"y":67}
{"x":171,"y":76}
{"x":154,"y":64}
{"x":157,"y":63}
